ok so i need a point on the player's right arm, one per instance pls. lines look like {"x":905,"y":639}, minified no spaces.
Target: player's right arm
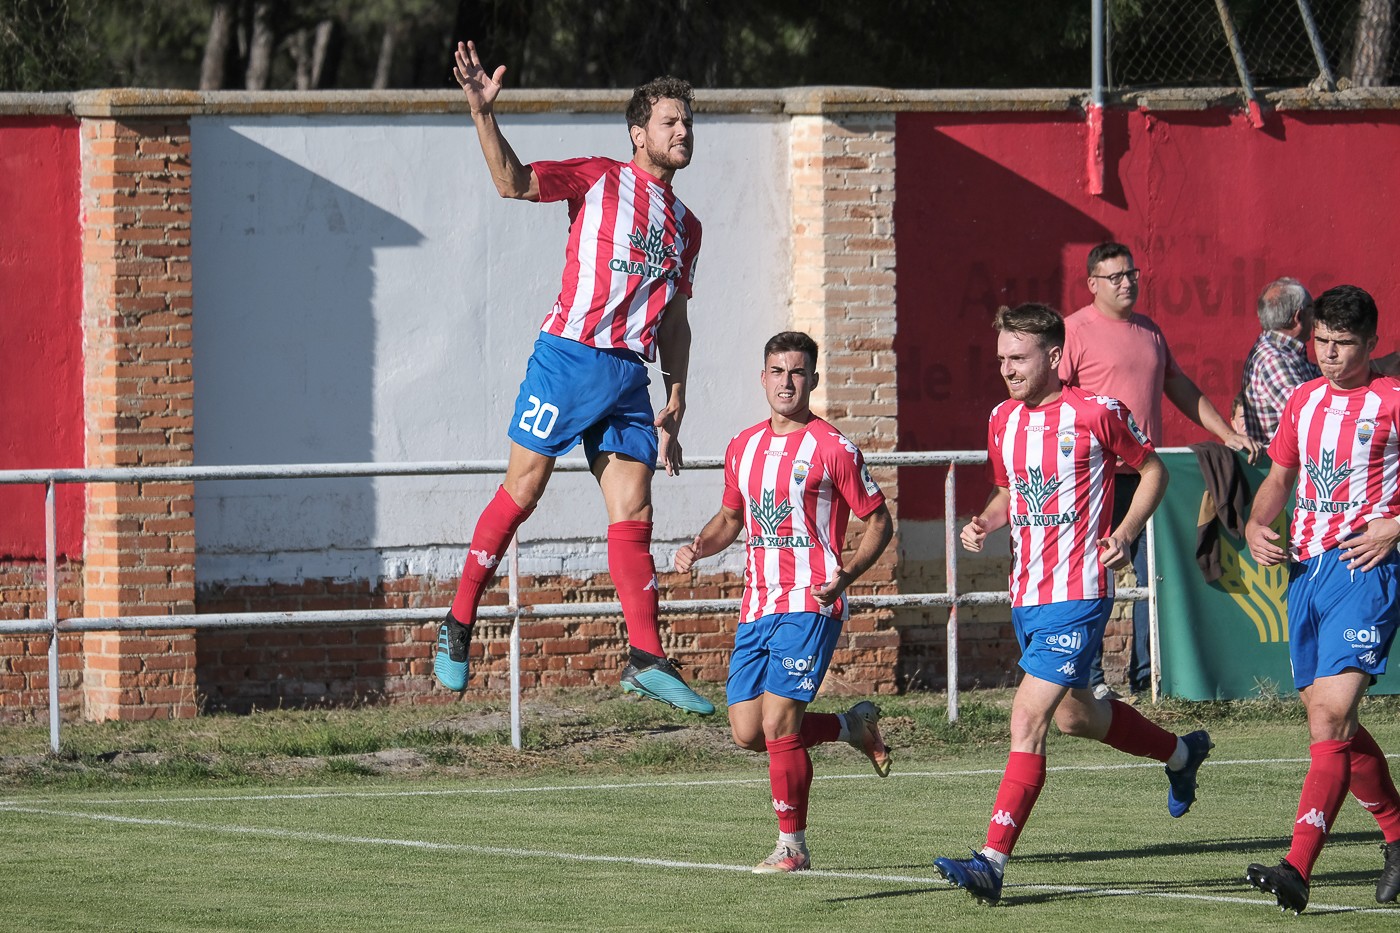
{"x":1268,"y":502}
{"x":718,"y":533}
{"x":513,"y":178}
{"x":994,"y":515}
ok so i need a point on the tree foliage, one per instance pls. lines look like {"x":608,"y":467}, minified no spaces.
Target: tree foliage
{"x":69,"y":44}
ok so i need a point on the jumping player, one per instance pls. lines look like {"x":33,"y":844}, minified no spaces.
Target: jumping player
{"x":790,"y":483}
{"x":1342,"y":431}
{"x":1052,"y":451}
{"x":629,"y":267}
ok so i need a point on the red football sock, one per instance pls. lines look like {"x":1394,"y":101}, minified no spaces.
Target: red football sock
{"x":790,"y":777}
{"x":494,"y":529}
{"x":634,"y":575}
{"x":1020,"y":786}
{"x":820,"y":728}
{"x":1373,"y":785}
{"x":1324,"y":788}
{"x":1130,"y":731}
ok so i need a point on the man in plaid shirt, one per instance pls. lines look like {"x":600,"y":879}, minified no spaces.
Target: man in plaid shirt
{"x":1278,"y":361}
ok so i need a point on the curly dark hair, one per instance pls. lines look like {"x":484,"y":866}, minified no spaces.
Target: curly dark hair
{"x":663,"y":88}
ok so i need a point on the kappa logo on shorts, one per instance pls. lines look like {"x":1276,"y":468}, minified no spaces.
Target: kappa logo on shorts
{"x":806,"y":684}
{"x":1067,"y":669}
{"x":1369,"y":659}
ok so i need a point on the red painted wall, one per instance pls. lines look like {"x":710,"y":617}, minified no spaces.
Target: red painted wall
{"x":41,"y":353}
{"x":992,"y":209}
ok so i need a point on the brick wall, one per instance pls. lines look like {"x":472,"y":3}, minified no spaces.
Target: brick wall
{"x":24,"y":659}
{"x":242,"y":669}
{"x":138,"y":304}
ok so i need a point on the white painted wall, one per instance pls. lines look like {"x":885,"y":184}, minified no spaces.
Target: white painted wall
{"x":362,"y":294}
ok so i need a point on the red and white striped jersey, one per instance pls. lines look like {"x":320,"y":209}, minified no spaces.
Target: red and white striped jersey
{"x":797,"y":492}
{"x":1057,"y":461}
{"x":632,"y":246}
{"x":1345,"y":445}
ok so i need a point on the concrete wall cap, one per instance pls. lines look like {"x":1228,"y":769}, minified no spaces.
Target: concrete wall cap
{"x":137,"y":103}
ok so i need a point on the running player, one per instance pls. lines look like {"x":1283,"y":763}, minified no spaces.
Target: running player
{"x":791,"y":483}
{"x":1052,"y":450}
{"x":1342,"y":431}
{"x":628,"y":271}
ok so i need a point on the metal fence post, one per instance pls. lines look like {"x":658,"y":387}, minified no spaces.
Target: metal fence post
{"x":51,"y":585}
{"x":1153,"y":627}
{"x":950,"y":565}
{"x":515,"y":642}
{"x":1324,"y":67}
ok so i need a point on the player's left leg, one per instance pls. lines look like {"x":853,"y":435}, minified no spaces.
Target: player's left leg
{"x":790,"y":780}
{"x":1374,"y":789}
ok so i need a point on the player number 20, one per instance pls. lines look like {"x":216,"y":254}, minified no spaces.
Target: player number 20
{"x":539,"y":418}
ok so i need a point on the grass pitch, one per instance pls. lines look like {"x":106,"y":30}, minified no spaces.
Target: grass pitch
{"x":614,"y":819}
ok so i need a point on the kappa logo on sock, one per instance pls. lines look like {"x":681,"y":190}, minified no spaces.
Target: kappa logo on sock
{"x":1314,"y":817}
{"x":486,"y":560}
{"x":1002,"y":818}
{"x":782,"y":806}
{"x":1368,"y":804}
{"x":651,"y":584}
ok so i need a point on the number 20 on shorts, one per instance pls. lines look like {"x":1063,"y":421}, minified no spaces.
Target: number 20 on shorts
{"x":539,"y":418}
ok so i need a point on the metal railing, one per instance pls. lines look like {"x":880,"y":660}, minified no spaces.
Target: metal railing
{"x":52,"y":625}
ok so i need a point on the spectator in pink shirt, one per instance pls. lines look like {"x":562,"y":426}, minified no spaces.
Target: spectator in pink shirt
{"x":1110,"y":349}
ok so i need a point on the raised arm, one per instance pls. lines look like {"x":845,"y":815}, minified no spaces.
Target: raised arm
{"x":513,"y":178}
{"x":673,"y":345}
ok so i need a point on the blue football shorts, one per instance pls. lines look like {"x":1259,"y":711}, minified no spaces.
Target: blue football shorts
{"x":1339,"y":618}
{"x":783,"y":653}
{"x":575,"y":393}
{"x":1058,"y":640}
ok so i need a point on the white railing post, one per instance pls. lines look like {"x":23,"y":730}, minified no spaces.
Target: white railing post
{"x":515,"y":642}
{"x":950,"y":570}
{"x":51,"y":585}
{"x":1153,"y":630}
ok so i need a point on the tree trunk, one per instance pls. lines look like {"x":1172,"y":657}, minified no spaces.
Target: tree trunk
{"x":300,"y":48}
{"x":1375,"y":24}
{"x":260,"y":46}
{"x":385,"y":67}
{"x":325,"y":56}
{"x":217,"y":47}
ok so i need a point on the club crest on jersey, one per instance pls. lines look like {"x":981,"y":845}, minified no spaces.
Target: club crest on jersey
{"x":1327,"y":475}
{"x":652,"y":244}
{"x":1365,"y":430}
{"x":1066,"y":439}
{"x":799,"y":471}
{"x":770,"y":513}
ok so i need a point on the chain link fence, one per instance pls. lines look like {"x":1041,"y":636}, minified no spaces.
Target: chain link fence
{"x":1186,"y":43}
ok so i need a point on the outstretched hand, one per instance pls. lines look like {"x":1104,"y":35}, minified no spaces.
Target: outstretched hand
{"x":973,"y":534}
{"x":668,"y":442}
{"x":1263,"y":544}
{"x":687,"y":556}
{"x":1366,"y":550}
{"x":479,"y":87}
{"x":1114,"y":552}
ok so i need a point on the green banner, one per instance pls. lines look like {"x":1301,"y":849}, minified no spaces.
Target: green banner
{"x":1228,"y":639}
